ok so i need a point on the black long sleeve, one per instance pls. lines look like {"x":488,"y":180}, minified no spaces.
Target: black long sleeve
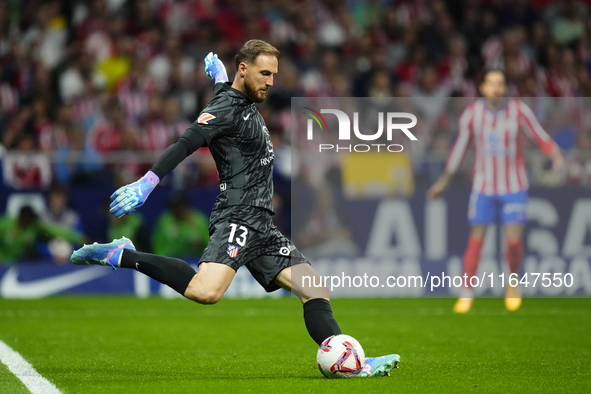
{"x":189,"y":142}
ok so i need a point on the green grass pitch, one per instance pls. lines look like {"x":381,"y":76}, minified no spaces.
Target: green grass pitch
{"x":128,"y":345}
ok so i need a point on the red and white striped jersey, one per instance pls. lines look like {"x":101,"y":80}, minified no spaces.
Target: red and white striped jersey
{"x":499,"y":165}
{"x":8,"y":98}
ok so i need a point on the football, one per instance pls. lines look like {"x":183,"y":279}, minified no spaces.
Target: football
{"x":340,"y":356}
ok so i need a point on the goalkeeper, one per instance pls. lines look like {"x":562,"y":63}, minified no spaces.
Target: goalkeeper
{"x":241,"y":231}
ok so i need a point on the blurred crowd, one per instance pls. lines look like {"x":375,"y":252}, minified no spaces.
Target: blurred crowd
{"x":50,"y":229}
{"x":83,"y":83}
{"x":92,"y":91}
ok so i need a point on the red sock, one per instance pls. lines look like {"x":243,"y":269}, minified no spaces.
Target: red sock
{"x":472,"y":255}
{"x":514,"y":255}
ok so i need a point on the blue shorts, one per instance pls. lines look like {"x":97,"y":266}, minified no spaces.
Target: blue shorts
{"x":483,"y":209}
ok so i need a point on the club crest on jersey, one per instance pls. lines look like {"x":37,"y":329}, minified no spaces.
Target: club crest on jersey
{"x":232,"y":250}
{"x":205,"y":117}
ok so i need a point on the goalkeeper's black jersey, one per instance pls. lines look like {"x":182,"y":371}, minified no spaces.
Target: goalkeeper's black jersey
{"x":241,"y":147}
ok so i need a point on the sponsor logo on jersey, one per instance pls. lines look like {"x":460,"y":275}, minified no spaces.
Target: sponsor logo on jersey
{"x":246,"y":117}
{"x":267,"y":160}
{"x":284,"y":251}
{"x":205,"y":117}
{"x":232,"y":250}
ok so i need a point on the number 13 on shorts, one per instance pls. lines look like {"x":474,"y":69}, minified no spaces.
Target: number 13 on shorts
{"x":241,"y":239}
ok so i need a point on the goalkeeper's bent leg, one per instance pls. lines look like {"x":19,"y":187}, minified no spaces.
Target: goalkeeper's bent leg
{"x":170,"y":271}
{"x":318,"y":317}
{"x":319,"y":320}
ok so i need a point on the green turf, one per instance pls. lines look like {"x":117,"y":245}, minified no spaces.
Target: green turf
{"x":127,"y":345}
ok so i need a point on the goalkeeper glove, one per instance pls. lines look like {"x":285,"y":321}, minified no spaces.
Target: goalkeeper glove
{"x":214,"y":68}
{"x":128,"y":198}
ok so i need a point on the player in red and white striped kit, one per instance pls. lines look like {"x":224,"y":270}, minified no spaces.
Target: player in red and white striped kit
{"x":493,"y":124}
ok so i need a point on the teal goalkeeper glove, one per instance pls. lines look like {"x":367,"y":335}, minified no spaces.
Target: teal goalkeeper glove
{"x":214,"y":68}
{"x":128,"y":198}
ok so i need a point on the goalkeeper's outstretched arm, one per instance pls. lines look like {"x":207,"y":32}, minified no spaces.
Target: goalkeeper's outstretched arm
{"x":130,"y":197}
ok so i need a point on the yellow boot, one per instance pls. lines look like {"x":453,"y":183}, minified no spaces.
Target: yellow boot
{"x":463,"y":305}
{"x":512,"y":298}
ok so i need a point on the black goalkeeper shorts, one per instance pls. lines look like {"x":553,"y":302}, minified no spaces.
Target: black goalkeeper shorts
{"x":245,"y":235}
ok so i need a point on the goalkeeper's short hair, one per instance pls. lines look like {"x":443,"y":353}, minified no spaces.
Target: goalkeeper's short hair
{"x":252,"y":49}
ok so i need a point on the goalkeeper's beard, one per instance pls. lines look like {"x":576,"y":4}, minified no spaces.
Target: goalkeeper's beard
{"x":253,"y":93}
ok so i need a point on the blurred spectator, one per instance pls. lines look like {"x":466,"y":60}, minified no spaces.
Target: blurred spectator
{"x":144,"y":21}
{"x":77,"y":163}
{"x":428,"y":86}
{"x":171,"y":60}
{"x":181,"y":231}
{"x":114,"y":132}
{"x":180,"y":15}
{"x":285,"y":88}
{"x":134,"y":89}
{"x":155,"y":135}
{"x":53,"y":135}
{"x":398,"y":49}
{"x":8,"y":102}
{"x":561,"y":78}
{"x":436,"y":34}
{"x":15,"y":128}
{"x":91,"y":31}
{"x":500,"y":51}
{"x":116,"y":67}
{"x":58,"y":212}
{"x":578,"y":162}
{"x":380,"y":85}
{"x":534,"y":48}
{"x":19,"y":236}
{"x":197,"y":170}
{"x":173,"y":121}
{"x":584,"y":45}
{"x":25,"y":168}
{"x":87,"y":107}
{"x":408,"y":70}
{"x":569,"y":26}
{"x":64,"y":64}
{"x":48,"y":34}
{"x":315,"y":81}
{"x":72,"y":80}
{"x":516,"y":13}
{"x":43,"y":124}
{"x":453,"y":67}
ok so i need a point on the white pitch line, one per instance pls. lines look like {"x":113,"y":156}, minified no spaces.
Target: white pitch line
{"x":36,"y":383}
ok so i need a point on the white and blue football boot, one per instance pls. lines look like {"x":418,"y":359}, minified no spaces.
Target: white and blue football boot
{"x":102,"y":254}
{"x":379,"y":366}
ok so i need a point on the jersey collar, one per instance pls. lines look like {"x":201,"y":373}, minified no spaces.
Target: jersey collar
{"x":235,"y":93}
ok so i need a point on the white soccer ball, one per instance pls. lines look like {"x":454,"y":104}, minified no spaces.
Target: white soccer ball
{"x":340,"y":356}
